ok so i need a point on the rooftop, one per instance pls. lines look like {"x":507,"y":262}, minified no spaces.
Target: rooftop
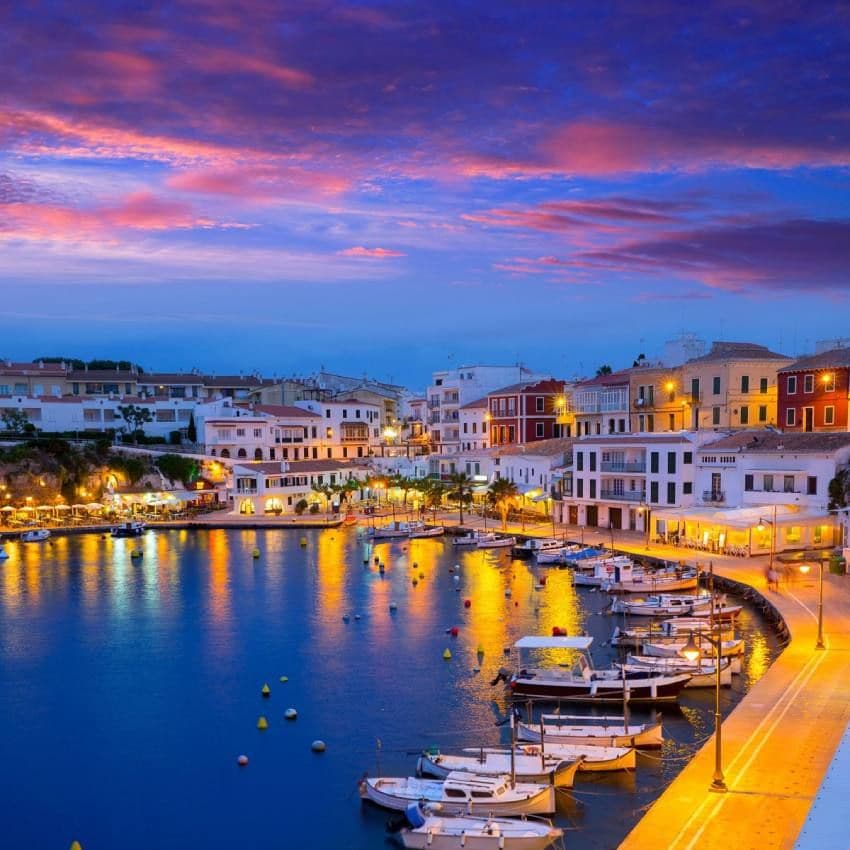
{"x":836,"y":357}
{"x":635,"y":439}
{"x":522,"y":386}
{"x":540,"y":448}
{"x":737,"y":351}
{"x":298,"y":467}
{"x":284,"y":411}
{"x":767,"y":440}
{"x":478,"y":404}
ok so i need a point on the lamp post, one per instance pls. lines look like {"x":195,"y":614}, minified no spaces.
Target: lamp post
{"x":691,"y":652}
{"x":772,"y":524}
{"x":804,"y":569}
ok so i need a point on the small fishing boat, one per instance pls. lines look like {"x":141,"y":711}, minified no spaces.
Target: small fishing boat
{"x":594,"y":759}
{"x":36,"y":535}
{"x":496,"y":543}
{"x":541,"y":769}
{"x":534,"y":546}
{"x":629,"y":578}
{"x":472,"y":538}
{"x":552,"y":556}
{"x":394,"y":530}
{"x":673,"y":649}
{"x":595,"y":572}
{"x":432,"y":531}
{"x":721,"y":611}
{"x":662,"y":605}
{"x":582,"y":682}
{"x":430,"y":831}
{"x":673,"y":630}
{"x":703,"y":673}
{"x":129,"y":529}
{"x":461,"y":793}
{"x":608,"y":731}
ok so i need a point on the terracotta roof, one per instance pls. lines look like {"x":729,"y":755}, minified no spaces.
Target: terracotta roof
{"x":542,"y":448}
{"x":836,"y":358}
{"x":738,"y":351}
{"x":24,"y":369}
{"x":767,"y":440}
{"x":102,"y":375}
{"x":299,"y":467}
{"x":285,"y":411}
{"x":474,"y":405}
{"x":634,"y":439}
{"x":522,"y":386}
{"x":615,"y":378}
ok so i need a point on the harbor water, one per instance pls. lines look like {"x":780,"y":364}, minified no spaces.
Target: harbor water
{"x":130,"y":685}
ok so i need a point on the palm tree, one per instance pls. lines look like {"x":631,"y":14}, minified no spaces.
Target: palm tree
{"x":500,"y":494}
{"x":434,"y":491}
{"x":461,"y":490}
{"x":403,"y":483}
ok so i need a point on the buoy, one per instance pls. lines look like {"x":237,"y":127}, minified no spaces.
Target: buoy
{"x":356,"y":616}
{"x":415,"y":581}
{"x":467,"y":603}
{"x":480,"y":650}
{"x":457,"y":567}
{"x":381,"y":568}
{"x":393,"y":606}
{"x":242,"y":761}
{"x":303,"y":541}
{"x":507,"y":592}
{"x":543,"y":580}
{"x":345,"y":618}
{"x":262,"y":723}
{"x":365,"y":560}
{"x":377,"y":560}
{"x":557,"y":631}
{"x":454,"y":631}
{"x":476,"y":669}
{"x":290,"y":714}
{"x":256,"y":553}
{"x":421,"y":575}
{"x":75,"y":845}
{"x":447,"y":654}
{"x":318,"y":746}
{"x":136,"y":553}
{"x":415,"y":565}
{"x":284,"y":678}
{"x":266,"y":691}
{"x":457,"y":578}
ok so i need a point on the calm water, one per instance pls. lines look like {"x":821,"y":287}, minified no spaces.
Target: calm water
{"x":127,"y":690}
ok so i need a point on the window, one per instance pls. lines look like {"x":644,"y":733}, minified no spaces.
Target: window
{"x":808,"y":383}
{"x":539,"y":404}
{"x":511,"y":433}
{"x":166,"y":416}
{"x":768,"y":484}
{"x":745,"y":383}
{"x":465,"y":428}
{"x":475,"y":428}
{"x":579,"y":461}
{"x":593,"y":461}
{"x":622,"y":426}
{"x":653,"y":462}
{"x":688,"y":457}
{"x":539,"y":429}
{"x":715,"y":385}
{"x":641,"y":426}
{"x":687,"y":488}
{"x":829,"y":415}
{"x":791,"y":416}
{"x":580,"y":488}
{"x":788,"y":483}
{"x":762,"y":413}
{"x":329,"y":432}
{"x":344,"y":413}
{"x":240,"y":432}
{"x":828,"y":382}
{"x":671,"y":493}
{"x":258,"y":432}
{"x":653,"y":491}
{"x":745,"y":415}
{"x":650,"y":422}
{"x":671,"y":463}
{"x":812,"y":485}
{"x":715,"y":415}
{"x":792,"y":385}
{"x":592,"y":488}
{"x":328,"y":413}
{"x":748,"y":483}
{"x":762,"y":385}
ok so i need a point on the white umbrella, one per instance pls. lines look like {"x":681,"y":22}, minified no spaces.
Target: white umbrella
{"x":63,"y":508}
{"x":94,"y":506}
{"x":7,"y":509}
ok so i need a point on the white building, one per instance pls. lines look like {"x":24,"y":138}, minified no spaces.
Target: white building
{"x":473,"y":421}
{"x":451,"y":389}
{"x":352,"y":428}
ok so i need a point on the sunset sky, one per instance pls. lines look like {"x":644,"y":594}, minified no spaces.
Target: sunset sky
{"x":395,"y":187}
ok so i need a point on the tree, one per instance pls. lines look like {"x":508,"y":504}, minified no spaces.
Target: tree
{"x":325,"y":490}
{"x":434,"y":491}
{"x":178,"y":468}
{"x":500,"y":494}
{"x":461,"y":491}
{"x":15,"y":421}
{"x":604,"y":369}
{"x":301,"y":505}
{"x":403,"y":483}
{"x":839,"y":490}
{"x":135,"y":416}
{"x":192,"y":430}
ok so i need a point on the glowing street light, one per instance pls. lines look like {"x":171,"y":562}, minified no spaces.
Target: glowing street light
{"x":804,"y":569}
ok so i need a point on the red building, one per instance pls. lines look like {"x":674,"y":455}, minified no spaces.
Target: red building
{"x":523,"y":413}
{"x":814,"y":393}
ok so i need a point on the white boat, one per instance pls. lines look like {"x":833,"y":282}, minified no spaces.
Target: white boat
{"x":552,"y":556}
{"x":432,"y":531}
{"x":394,"y":530}
{"x":461,"y":793}
{"x":663,"y":605}
{"x":594,"y":572}
{"x":721,"y":612}
{"x":472,"y":538}
{"x":535,"y":546}
{"x":673,"y":649}
{"x":496,"y":543}
{"x":594,"y":759}
{"x":37,"y":535}
{"x":431,"y":831}
{"x":129,"y":529}
{"x":703,"y":673}
{"x":629,"y":578}
{"x":608,"y":731}
{"x":668,"y":631}
{"x":542,"y":770}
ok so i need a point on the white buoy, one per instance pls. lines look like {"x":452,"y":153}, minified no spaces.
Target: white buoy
{"x":318,"y":746}
{"x":290,"y":714}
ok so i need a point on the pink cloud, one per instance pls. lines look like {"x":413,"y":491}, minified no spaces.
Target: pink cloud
{"x":375,"y":253}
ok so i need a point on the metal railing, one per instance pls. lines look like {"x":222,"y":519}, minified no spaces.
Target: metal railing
{"x":624,"y":496}
{"x":623,"y":466}
{"x":713,"y":496}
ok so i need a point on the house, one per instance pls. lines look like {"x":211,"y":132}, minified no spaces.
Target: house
{"x":473,"y":419}
{"x":814,"y":392}
{"x":525,"y":412}
{"x":352,"y":427}
{"x":657,"y":399}
{"x":600,"y":405}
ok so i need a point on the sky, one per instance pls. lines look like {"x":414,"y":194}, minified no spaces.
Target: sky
{"x":393,"y":188}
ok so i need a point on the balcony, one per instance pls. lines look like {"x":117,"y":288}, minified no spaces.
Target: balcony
{"x":246,"y":491}
{"x":434,"y":418}
{"x":693,"y":398}
{"x":622,"y":466}
{"x":623,"y":496}
{"x":450,"y":417}
{"x":644,"y":403}
{"x":434,"y":404}
{"x":713,"y":496}
{"x":354,"y":438}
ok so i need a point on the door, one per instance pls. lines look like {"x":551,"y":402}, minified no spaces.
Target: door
{"x":808,"y":418}
{"x":615,"y":516}
{"x":573,"y":514}
{"x":632,"y":519}
{"x":715,"y":486}
{"x":592,"y":515}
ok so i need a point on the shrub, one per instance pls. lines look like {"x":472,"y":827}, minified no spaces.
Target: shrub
{"x":314,"y":508}
{"x":300,"y":506}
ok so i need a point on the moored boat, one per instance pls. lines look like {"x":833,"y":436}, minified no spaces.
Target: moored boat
{"x":594,"y":758}
{"x":667,"y":631}
{"x":461,"y":793}
{"x":535,"y":546}
{"x":428,"y":830}
{"x":609,"y":731}
{"x":393,"y":530}
{"x":134,"y":528}
{"x":662,"y":605}
{"x":673,"y":649}
{"x":36,"y":535}
{"x":703,"y":673}
{"x":629,"y":578}
{"x":472,"y":538}
{"x":427,"y":531}
{"x":496,"y":543}
{"x":541,"y":769}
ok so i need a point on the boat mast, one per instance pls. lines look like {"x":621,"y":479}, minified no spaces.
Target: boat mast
{"x":513,"y":749}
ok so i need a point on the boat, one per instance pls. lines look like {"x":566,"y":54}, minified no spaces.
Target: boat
{"x":552,"y":556}
{"x":629,"y":578}
{"x":349,"y":519}
{"x":461,"y":793}
{"x":721,"y":611}
{"x":472,"y":538}
{"x":129,"y":529}
{"x":703,"y":672}
{"x":496,"y":543}
{"x":662,"y":605}
{"x":394,"y":530}
{"x":582,"y":682}
{"x":428,"y":830}
{"x":667,"y":631}
{"x":534,"y":546}
{"x":673,"y":649}
{"x":594,"y":759}
{"x":37,"y":535}
{"x":594,"y":572}
{"x":541,"y":769}
{"x":608,"y":731}
{"x":432,"y":531}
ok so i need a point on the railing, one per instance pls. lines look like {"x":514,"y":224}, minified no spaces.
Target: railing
{"x":644,"y":403}
{"x":247,"y":491}
{"x":713,"y":496}
{"x":624,"y":496}
{"x":354,"y":438}
{"x":615,"y":466}
{"x":450,"y":417}
{"x":694,"y":398}
{"x":289,"y":440}
{"x":434,"y":404}
{"x":434,"y":418}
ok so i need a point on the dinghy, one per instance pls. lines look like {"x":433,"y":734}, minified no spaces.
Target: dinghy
{"x":608,"y":731}
{"x":663,"y":605}
{"x":431,"y":831}
{"x":461,"y":793}
{"x":543,"y":770}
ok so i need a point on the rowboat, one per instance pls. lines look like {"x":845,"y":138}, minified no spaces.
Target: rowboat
{"x":552,"y":556}
{"x":594,"y":759}
{"x":496,"y":543}
{"x":703,"y":673}
{"x":432,"y":531}
{"x":582,"y":682}
{"x":430,"y":831}
{"x":542,"y":770}
{"x":133,"y":528}
{"x":662,"y":605}
{"x":631,"y":579}
{"x":461,"y":793}
{"x":608,"y":731}
{"x":37,"y":535}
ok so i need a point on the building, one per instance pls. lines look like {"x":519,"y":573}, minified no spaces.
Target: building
{"x":759,"y":491}
{"x":814,"y":392}
{"x":351,"y":427}
{"x":33,"y":380}
{"x":450,"y":389}
{"x":473,"y":419}
{"x":656,"y":399}
{"x":600,"y":405}
{"x":733,"y":386}
{"x":276,"y":487}
{"x":525,"y":412}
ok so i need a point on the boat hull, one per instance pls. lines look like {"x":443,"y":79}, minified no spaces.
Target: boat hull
{"x":649,"y":586}
{"x":444,"y":835}
{"x":650,"y":690}
{"x":427,"y":532}
{"x":648,"y":736}
{"x":528,"y":768}
{"x":594,"y":759}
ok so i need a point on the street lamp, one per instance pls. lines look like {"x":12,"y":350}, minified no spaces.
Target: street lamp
{"x":804,"y":569}
{"x":691,"y":651}
{"x":772,"y":524}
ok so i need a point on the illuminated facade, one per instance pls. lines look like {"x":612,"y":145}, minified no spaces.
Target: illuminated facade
{"x":814,"y":393}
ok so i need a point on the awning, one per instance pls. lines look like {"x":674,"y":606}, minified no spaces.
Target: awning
{"x":545,"y":642}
